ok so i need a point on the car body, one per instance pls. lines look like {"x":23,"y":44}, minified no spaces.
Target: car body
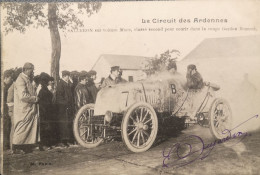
{"x":140,"y":110}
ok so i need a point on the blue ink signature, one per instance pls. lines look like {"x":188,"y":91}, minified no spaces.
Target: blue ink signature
{"x":205,"y":150}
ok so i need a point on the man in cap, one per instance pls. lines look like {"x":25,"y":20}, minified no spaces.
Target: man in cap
{"x":194,"y":79}
{"x":26,"y":118}
{"x":64,"y":100}
{"x":81,"y":94}
{"x":91,"y":85}
{"x":111,"y":79}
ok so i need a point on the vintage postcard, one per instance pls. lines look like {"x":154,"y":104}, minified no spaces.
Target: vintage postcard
{"x":130,"y":87}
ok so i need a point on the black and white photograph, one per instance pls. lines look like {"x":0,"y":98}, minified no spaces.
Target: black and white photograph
{"x":130,"y":88}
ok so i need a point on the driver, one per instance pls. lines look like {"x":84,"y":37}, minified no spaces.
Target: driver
{"x":194,"y":79}
{"x":111,"y":79}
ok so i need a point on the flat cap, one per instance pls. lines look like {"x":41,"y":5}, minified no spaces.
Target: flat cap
{"x":92,"y":72}
{"x":115,"y":68}
{"x":84,"y":73}
{"x":28,"y":66}
{"x":65,"y":73}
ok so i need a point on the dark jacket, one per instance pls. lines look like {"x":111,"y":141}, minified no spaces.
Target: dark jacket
{"x":82,"y":96}
{"x":92,"y":90}
{"x":45,"y":103}
{"x":195,"y":81}
{"x":64,"y":93}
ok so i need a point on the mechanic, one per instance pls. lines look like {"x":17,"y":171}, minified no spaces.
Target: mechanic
{"x":111,"y":79}
{"x":194,"y":79}
{"x":119,"y":79}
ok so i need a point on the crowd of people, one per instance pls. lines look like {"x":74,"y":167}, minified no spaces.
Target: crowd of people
{"x":39,"y":113}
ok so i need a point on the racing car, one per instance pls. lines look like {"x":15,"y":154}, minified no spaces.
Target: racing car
{"x":139,"y":111}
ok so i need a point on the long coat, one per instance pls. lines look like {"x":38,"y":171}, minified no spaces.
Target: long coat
{"x":46,"y":115}
{"x":26,"y":118}
{"x":64,"y":100}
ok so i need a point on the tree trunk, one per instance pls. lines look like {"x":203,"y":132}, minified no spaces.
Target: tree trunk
{"x":55,"y":41}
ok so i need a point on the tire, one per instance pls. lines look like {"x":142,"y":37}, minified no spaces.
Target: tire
{"x":139,"y":133}
{"x":220,"y":116}
{"x":86,"y":140}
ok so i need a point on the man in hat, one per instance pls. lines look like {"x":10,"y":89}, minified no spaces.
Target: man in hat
{"x":64,"y":100}
{"x":82,"y":95}
{"x":26,"y":118}
{"x":91,"y":85}
{"x":194,"y":79}
{"x":111,"y":79}
{"x":8,"y":79}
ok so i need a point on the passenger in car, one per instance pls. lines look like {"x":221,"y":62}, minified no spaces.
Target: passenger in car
{"x":194,"y":79}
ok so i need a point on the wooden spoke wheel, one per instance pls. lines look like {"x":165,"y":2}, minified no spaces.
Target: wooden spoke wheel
{"x":220,"y":116}
{"x":139,"y":127}
{"x":85,"y":132}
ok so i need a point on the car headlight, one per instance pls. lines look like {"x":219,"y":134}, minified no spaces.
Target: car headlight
{"x":108,"y":116}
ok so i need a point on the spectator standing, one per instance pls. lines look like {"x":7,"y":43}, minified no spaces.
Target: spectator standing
{"x":82,"y":95}
{"x":64,"y":100}
{"x":45,"y":112}
{"x":10,"y":103}
{"x":91,"y":85}
{"x":8,"y":80}
{"x":26,"y":118}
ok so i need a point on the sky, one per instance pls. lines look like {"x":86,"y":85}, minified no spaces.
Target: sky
{"x":80,"y":50}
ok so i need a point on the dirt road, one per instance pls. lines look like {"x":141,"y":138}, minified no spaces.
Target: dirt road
{"x":235,"y":156}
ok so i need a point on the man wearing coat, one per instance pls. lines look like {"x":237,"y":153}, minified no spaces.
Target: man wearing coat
{"x":64,"y":99}
{"x":194,"y":79}
{"x":91,"y":85}
{"x":45,"y":112}
{"x":26,"y":118}
{"x":82,"y":95}
{"x":111,"y":79}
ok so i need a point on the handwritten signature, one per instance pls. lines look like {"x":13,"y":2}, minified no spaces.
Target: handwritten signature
{"x":204,"y":150}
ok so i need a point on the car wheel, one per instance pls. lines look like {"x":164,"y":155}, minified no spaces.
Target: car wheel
{"x":83,"y":128}
{"x":220,"y":116}
{"x":139,"y":127}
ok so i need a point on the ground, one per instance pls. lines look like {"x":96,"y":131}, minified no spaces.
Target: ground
{"x":235,"y":156}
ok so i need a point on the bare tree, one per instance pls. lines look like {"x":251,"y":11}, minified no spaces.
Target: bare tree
{"x":55,"y":16}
